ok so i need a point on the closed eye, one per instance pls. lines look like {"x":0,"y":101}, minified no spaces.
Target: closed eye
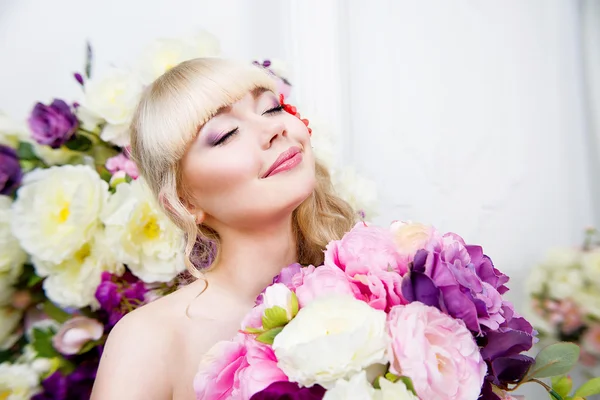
{"x":226,"y":137}
{"x":274,"y":110}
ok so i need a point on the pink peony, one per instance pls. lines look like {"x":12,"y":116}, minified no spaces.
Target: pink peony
{"x":324,"y":280}
{"x":365,"y":249}
{"x":382,"y":290}
{"x":261,"y":371}
{"x":218,"y":376}
{"x":436,"y":351}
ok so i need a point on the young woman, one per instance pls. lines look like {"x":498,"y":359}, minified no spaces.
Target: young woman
{"x":237,"y":174}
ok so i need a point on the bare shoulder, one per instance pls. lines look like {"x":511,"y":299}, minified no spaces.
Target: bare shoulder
{"x":135,"y":356}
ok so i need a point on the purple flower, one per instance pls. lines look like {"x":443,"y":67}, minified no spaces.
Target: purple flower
{"x":53,"y":125}
{"x":10,"y":170}
{"x":75,"y":386}
{"x":289,"y":391}
{"x":119,"y":295}
{"x":469,"y":286}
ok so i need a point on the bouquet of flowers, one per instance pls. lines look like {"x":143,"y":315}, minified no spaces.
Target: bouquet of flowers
{"x":82,"y":241}
{"x":398,"y":313}
{"x":565,"y":296}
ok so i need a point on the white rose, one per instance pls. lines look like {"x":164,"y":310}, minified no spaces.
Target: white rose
{"x":163,"y":54}
{"x":323,"y":144}
{"x":588,"y":301}
{"x":141,"y":235}
{"x":279,"y":295}
{"x":357,"y":388}
{"x":113,"y":97}
{"x":12,"y":132}
{"x":358,"y":191}
{"x":591,"y":266}
{"x":393,"y":391}
{"x":12,"y":256}
{"x":331,"y":338}
{"x":18,"y":382}
{"x":536,"y":280}
{"x":565,"y":283}
{"x":73,"y":282}
{"x":561,"y":258}
{"x":57,"y":210}
{"x":9,"y":320}
{"x":50,"y":156}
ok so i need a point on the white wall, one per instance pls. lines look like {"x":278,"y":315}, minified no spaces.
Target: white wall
{"x":468,"y":114}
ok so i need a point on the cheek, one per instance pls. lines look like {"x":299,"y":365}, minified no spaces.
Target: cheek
{"x":216,"y":177}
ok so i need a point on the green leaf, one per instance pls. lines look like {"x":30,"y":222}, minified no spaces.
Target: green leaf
{"x":391,"y":377}
{"x":556,"y":359}
{"x":25,"y":152}
{"x":57,"y":314}
{"x":34,"y":280}
{"x":589,"y":388}
{"x":562,"y":385}
{"x":42,"y":342}
{"x":253,"y":330}
{"x":554,"y":395}
{"x":269,"y":336}
{"x":90,"y":345}
{"x":295,"y":306}
{"x":408,"y":383}
{"x":274,"y":317}
{"x":79,"y":143}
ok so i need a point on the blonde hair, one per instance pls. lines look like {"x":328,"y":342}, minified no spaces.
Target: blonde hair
{"x":167,"y":120}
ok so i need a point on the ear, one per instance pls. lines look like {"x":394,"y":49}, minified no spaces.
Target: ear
{"x":199,"y":216}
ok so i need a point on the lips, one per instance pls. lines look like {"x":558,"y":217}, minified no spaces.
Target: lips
{"x":286,"y":160}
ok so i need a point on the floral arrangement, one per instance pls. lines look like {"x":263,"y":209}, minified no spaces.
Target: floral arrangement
{"x":82,"y":242}
{"x":565,"y":296}
{"x":399,"y":313}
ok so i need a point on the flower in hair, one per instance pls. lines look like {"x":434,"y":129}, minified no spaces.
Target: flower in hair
{"x":292,"y":110}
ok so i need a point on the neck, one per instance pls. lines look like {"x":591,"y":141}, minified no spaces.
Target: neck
{"x":249,"y":260}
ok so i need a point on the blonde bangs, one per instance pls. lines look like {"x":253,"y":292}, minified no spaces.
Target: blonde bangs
{"x":183,"y":99}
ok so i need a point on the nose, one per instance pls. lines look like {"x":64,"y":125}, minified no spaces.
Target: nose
{"x":272,"y":131}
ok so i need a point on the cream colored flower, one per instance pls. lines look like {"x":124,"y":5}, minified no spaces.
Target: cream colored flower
{"x":50,"y":156}
{"x":332,"y":338}
{"x":141,"y":235}
{"x":18,"y":382}
{"x":393,"y":391}
{"x":113,"y":97}
{"x":357,"y":387}
{"x":12,"y":132}
{"x":9,"y":320}
{"x":12,"y":256}
{"x":73,"y":282}
{"x":358,"y":191}
{"x":588,"y":301}
{"x":163,"y":54}
{"x":565,"y":283}
{"x":591,"y":266}
{"x":57,"y":211}
{"x":561,"y":258}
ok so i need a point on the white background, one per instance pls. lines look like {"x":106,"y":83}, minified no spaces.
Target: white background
{"x":475,"y":116}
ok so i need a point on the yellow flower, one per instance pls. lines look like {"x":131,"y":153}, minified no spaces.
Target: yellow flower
{"x":141,"y":235}
{"x":57,"y":211}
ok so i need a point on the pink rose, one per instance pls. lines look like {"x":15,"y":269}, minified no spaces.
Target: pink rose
{"x":261,"y":371}
{"x":437,"y":352}
{"x":365,"y":249}
{"x":382,"y":290}
{"x":325,"y":280}
{"x":254,"y":318}
{"x":75,"y":333}
{"x":218,"y":376}
{"x":121,"y":162}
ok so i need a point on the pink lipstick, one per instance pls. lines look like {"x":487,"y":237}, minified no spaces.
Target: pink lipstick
{"x":286,"y":161}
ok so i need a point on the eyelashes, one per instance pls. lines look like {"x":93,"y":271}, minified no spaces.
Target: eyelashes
{"x":229,"y":135}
